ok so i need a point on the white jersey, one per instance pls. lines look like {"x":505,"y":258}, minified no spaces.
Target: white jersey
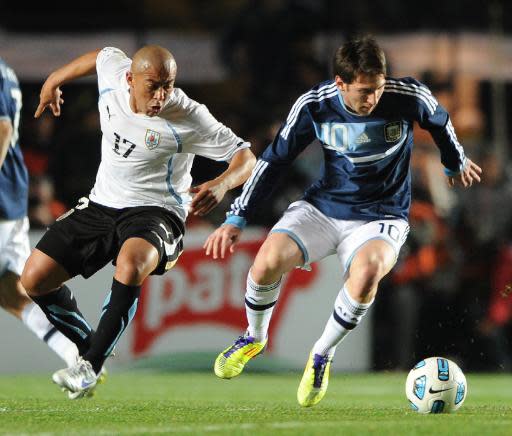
{"x":146,"y":161}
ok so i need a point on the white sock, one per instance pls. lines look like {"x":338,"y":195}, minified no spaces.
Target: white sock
{"x":347,"y":314}
{"x":259,"y":305}
{"x":35,"y":319}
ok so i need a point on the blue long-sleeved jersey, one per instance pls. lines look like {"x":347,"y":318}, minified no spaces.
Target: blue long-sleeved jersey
{"x":13,"y":172}
{"x":366,"y":173}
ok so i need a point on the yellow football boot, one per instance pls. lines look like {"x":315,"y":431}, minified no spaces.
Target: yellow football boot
{"x":232,"y":360}
{"x":315,"y":380}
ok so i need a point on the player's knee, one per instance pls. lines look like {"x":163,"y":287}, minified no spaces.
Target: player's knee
{"x":368,"y":273}
{"x":31,"y":279}
{"x":267,"y":268}
{"x":132,"y":271}
{"x":133,"y":265}
{"x":37,"y":281}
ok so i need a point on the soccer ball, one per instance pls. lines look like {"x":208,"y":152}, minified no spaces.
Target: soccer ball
{"x":436,"y":385}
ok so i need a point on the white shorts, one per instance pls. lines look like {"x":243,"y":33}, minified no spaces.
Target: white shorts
{"x":319,"y":236}
{"x":14,"y":245}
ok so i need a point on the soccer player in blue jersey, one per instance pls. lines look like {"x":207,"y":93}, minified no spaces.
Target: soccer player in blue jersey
{"x":14,"y":243}
{"x":363,"y":122}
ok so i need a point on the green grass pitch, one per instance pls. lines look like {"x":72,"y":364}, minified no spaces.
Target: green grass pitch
{"x":139,"y":402}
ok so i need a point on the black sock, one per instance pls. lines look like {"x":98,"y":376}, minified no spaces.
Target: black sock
{"x":62,"y":311}
{"x":118,"y":310}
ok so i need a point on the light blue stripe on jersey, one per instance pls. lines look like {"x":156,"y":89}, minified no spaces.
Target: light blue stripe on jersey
{"x":359,"y":142}
{"x":104,"y":91}
{"x":379,"y":156}
{"x":169,"y":182}
{"x":179,"y":143}
{"x":176,"y":136}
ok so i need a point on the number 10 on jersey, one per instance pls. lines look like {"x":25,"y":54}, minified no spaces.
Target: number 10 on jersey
{"x":335,"y":135}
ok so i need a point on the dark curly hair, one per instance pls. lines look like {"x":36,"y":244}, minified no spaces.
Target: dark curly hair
{"x":359,"y":55}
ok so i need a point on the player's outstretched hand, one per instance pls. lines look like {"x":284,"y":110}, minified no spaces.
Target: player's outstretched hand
{"x":471,"y":173}
{"x":50,"y":96}
{"x":206,"y":197}
{"x":226,"y":236}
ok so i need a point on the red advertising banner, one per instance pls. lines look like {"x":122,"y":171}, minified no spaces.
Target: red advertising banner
{"x":199,"y":290}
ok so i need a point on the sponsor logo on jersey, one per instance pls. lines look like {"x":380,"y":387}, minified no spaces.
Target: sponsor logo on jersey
{"x":393,"y":131}
{"x":363,"y":139}
{"x":152,"y":139}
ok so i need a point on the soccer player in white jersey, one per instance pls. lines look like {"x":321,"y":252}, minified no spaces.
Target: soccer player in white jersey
{"x":358,"y":210}
{"x":136,"y":211}
{"x":14,"y":242}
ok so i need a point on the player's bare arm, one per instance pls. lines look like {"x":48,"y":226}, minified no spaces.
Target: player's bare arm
{"x":224,"y":237}
{"x":51,"y":95}
{"x":210,"y":194}
{"x":5,"y":139}
{"x":471,"y":173}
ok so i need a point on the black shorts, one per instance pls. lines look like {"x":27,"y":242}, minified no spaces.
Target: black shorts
{"x":87,"y":237}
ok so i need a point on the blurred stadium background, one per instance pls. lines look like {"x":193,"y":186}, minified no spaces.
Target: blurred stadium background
{"x":248,"y":61}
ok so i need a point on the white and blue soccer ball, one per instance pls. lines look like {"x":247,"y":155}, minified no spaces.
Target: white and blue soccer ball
{"x":436,"y":385}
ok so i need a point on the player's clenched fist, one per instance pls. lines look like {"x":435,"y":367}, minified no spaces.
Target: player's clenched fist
{"x":206,"y":197}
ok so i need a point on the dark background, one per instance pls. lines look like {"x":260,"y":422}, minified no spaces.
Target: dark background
{"x":443,"y":298}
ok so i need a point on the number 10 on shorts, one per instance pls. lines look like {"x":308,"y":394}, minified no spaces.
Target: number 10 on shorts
{"x":392,"y":231}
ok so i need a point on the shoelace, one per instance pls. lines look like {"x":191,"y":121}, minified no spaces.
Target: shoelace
{"x":242,"y":341}
{"x":319,"y":365}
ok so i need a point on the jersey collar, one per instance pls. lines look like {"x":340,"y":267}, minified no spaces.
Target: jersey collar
{"x":345,"y":107}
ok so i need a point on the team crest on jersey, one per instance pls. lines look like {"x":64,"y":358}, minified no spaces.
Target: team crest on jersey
{"x":152,"y":139}
{"x":393,"y":131}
